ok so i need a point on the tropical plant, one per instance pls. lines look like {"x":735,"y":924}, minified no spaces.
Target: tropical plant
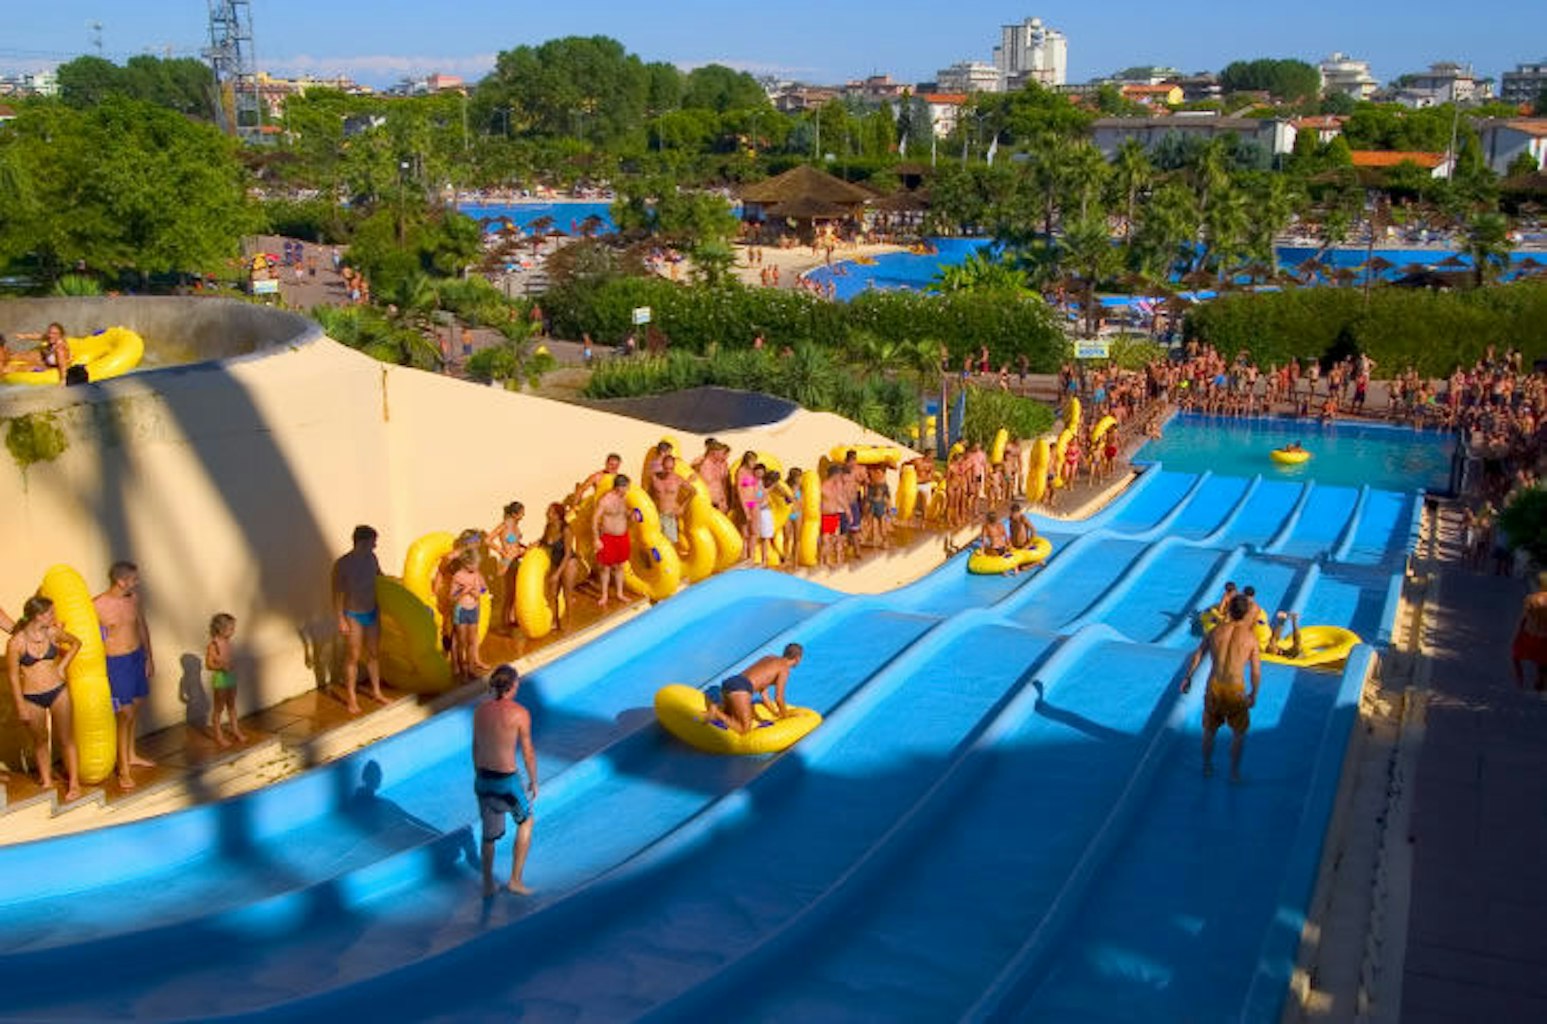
{"x":1488,"y":244}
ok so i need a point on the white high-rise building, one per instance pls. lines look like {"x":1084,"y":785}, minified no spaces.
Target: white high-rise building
{"x":1341,"y":73}
{"x":1032,"y":52}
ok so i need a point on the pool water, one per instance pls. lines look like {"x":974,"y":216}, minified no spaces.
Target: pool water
{"x":1343,"y":453}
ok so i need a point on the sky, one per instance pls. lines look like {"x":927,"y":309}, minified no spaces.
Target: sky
{"x":376,"y":42}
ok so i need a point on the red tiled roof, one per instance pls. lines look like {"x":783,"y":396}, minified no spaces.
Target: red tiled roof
{"x":1530,"y":125}
{"x":956,"y":98}
{"x":6,"y":111}
{"x":1321,"y":122}
{"x":1382,"y":158}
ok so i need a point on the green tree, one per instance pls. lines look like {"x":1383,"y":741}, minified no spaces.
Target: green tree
{"x":583,"y":87}
{"x":1488,"y":244}
{"x":147,"y":190}
{"x":1288,"y":80}
{"x":86,"y":81}
{"x":1523,"y":165}
{"x":718,"y":88}
{"x":981,"y":272}
{"x":1131,"y":175}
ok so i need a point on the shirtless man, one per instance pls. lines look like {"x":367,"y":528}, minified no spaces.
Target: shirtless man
{"x":609,"y":468}
{"x":359,"y":620}
{"x":1012,"y":468}
{"x":653,"y":460}
{"x":730,"y":703}
{"x":715,"y":472}
{"x":1530,"y":642}
{"x":1022,"y":533}
{"x":993,"y":540}
{"x":835,"y":502}
{"x":1228,"y":700}
{"x":500,"y":727}
{"x":609,"y":524}
{"x":854,"y":514}
{"x":671,"y":493}
{"x":130,"y":664}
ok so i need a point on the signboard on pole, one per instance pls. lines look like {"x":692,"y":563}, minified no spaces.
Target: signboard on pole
{"x":641,"y":315}
{"x":1093,"y":349}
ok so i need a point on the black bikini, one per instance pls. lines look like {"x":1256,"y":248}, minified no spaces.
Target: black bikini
{"x":45,"y":699}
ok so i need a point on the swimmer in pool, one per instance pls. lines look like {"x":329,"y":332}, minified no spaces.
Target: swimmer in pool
{"x":729,"y":704}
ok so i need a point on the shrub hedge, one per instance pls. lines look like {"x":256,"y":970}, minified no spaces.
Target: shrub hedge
{"x":1429,"y":330}
{"x":701,"y":319}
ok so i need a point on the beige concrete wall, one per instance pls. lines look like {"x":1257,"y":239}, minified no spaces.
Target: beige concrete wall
{"x":235,"y":482}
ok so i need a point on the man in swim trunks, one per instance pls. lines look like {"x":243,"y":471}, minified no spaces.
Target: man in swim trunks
{"x":130,"y":664}
{"x":1228,"y":701}
{"x":835,"y":499}
{"x":500,"y":727}
{"x":670,"y":493}
{"x":609,"y":524}
{"x":359,"y":620}
{"x":713,"y":469}
{"x":730,"y":703}
{"x":609,"y":469}
{"x":1530,"y":642}
{"x":1022,"y":533}
{"x":993,"y":540}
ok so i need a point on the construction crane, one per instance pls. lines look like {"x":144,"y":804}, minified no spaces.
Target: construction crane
{"x":238,"y":107}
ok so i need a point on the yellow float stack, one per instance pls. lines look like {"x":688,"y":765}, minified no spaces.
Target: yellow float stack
{"x":91,"y":701}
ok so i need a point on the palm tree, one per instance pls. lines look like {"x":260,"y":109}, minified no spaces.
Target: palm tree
{"x":1085,"y":172}
{"x":1131,"y":174}
{"x":979,"y":272}
{"x":1092,"y":258}
{"x":1488,"y":244}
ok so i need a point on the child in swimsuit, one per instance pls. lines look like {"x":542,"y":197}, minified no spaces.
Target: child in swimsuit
{"x":222,"y":681}
{"x":793,"y":492}
{"x":467,"y":587}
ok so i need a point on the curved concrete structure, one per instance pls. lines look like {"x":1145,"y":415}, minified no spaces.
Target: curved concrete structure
{"x":234,"y":481}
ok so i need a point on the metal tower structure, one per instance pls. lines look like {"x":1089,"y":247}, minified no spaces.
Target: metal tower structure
{"x":232,"y":59}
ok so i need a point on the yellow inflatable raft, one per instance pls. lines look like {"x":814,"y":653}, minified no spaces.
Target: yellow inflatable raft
{"x":419,"y":565}
{"x":867,"y":454}
{"x":983,"y":564}
{"x":1036,"y":476}
{"x":411,"y":654}
{"x":907,"y":493}
{"x":996,"y":450}
{"x":1104,"y":424}
{"x":534,"y":614}
{"x":1289,"y":458}
{"x":109,"y":353}
{"x":91,"y":702}
{"x":810,"y":539}
{"x":654,"y":569}
{"x":680,"y":710}
{"x":1319,"y":645}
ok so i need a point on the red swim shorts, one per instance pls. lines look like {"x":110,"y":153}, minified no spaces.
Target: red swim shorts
{"x":829,"y":524}
{"x":613,"y":549}
{"x":1528,"y":647}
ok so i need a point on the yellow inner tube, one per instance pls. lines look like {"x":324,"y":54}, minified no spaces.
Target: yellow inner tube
{"x":1288,"y":458}
{"x":680,"y":710}
{"x":867,"y":455}
{"x":984,"y":564}
{"x":109,"y":353}
{"x":1319,"y":645}
{"x":91,"y":701}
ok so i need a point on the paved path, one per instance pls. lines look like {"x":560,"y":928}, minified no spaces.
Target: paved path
{"x":1477,"y":930}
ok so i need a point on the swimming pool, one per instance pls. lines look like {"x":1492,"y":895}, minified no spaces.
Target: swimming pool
{"x":904,"y":270}
{"x":566,"y":216}
{"x":1001,"y":817}
{"x":1345,"y":453}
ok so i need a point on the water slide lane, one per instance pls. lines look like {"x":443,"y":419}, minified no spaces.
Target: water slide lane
{"x":1209,"y":507}
{"x":1261,"y":517}
{"x":1321,"y":522}
{"x":957,"y":907}
{"x":1143,"y":510}
{"x":1161,"y":938}
{"x":1381,"y":537}
{"x":1060,"y":593}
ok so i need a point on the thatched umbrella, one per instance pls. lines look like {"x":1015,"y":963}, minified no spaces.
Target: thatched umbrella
{"x":592,"y":225}
{"x":1453,"y":262}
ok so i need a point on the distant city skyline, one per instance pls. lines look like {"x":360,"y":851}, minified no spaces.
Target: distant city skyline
{"x":380,"y":42}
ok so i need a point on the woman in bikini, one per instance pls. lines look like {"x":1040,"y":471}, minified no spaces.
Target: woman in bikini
{"x":35,"y":659}
{"x":564,"y":567}
{"x":505,"y":544}
{"x":748,"y":484}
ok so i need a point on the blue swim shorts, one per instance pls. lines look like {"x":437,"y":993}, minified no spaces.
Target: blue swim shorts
{"x":126,"y":678}
{"x":499,"y":794}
